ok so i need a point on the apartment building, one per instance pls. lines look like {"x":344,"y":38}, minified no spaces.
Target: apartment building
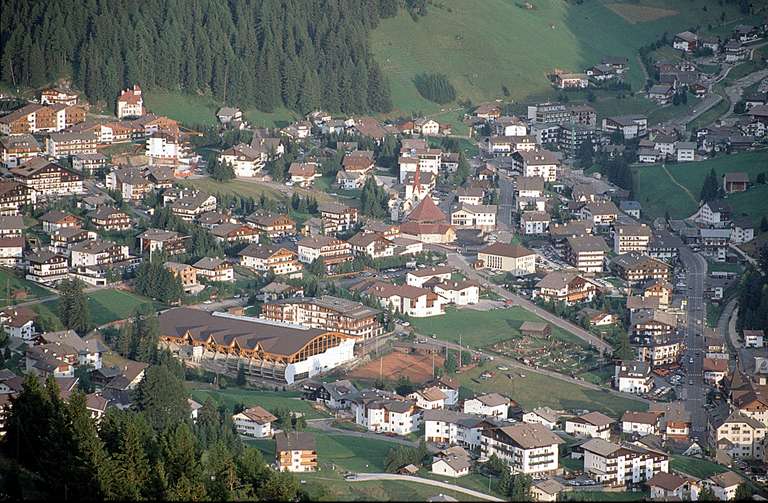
{"x":633,"y":377}
{"x":454,"y":428}
{"x":386,"y":413}
{"x":529,"y":449}
{"x":215,"y":269}
{"x":47,"y":178}
{"x":326,"y":312}
{"x":337,"y":218}
{"x":534,"y":223}
{"x":491,"y":405}
{"x":59,"y":145}
{"x":740,"y":436}
{"x":406,"y":299}
{"x":372,"y":244}
{"x":277,"y":259}
{"x":330,"y":250}
{"x":634,"y":267}
{"x":110,"y":219}
{"x":161,"y":241}
{"x":621,"y":465}
{"x":254,"y":422}
{"x":586,"y":253}
{"x":631,"y":238}
{"x":13,"y":196}
{"x":97,"y":253}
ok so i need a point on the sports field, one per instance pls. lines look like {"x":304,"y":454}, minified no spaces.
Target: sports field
{"x":676,"y":187}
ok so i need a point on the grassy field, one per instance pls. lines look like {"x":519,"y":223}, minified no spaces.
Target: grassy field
{"x":483,"y":45}
{"x":270,"y":400}
{"x":482,"y":328}
{"x":329,"y":486}
{"x":240,"y":188}
{"x":108,"y":305}
{"x":537,"y":390}
{"x":657,"y":192}
{"x":13,"y":286}
{"x":605,"y":496}
{"x":193,"y":110}
{"x":700,"y":468}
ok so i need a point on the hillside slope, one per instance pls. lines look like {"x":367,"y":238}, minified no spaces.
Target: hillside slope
{"x":483,"y":45}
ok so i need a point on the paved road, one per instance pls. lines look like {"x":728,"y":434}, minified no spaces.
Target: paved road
{"x":363,"y":477}
{"x":695,"y":393}
{"x":459,"y":262}
{"x":735,"y":91}
{"x":506,"y":201}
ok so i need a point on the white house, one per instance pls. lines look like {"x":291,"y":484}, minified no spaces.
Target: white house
{"x":18,"y":322}
{"x":492,"y":404}
{"x":592,"y":425}
{"x":753,"y":338}
{"x":543,"y":416}
{"x":453,"y":462}
{"x":254,"y":422}
{"x":429,"y":398}
{"x":418,"y":277}
{"x":460,"y":293}
{"x":453,"y":428}
{"x":386,"y":413}
{"x":641,"y":423}
{"x":633,"y":377}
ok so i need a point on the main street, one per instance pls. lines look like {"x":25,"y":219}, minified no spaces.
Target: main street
{"x":695,"y":391}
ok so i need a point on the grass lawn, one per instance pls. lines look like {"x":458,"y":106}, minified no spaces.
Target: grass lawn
{"x":13,"y":285}
{"x":355,"y":454}
{"x":189,"y":109}
{"x":714,"y":266}
{"x":605,"y":496}
{"x":481,"y":44}
{"x":237,"y":187}
{"x":658,"y":191}
{"x":270,"y":400}
{"x":482,"y":328}
{"x":329,"y":486}
{"x":538,"y":390}
{"x":700,"y":468}
{"x":106,"y":306}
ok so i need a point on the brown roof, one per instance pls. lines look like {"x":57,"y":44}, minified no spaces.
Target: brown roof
{"x":531,"y":436}
{"x":428,"y":212}
{"x":726,"y":479}
{"x":715,"y":365}
{"x":201,"y":325}
{"x":259,"y":415}
{"x":507,"y":250}
{"x":431,"y":271}
{"x":641,"y":417}
{"x":432,"y":394}
{"x":666,"y":481}
{"x":304,"y":169}
{"x":294,"y":441}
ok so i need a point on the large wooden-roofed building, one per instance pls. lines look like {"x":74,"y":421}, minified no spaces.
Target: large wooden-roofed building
{"x":267,"y":350}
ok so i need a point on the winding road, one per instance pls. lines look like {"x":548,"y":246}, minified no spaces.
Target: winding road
{"x":365,"y":477}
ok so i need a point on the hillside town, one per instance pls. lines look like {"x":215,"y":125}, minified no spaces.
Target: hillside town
{"x":495,"y":313}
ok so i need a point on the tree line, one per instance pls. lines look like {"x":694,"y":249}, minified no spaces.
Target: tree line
{"x":262,"y":53}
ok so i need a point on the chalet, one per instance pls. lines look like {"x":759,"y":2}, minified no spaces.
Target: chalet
{"x":635,"y":267}
{"x":420,"y":277}
{"x":633,"y":377}
{"x":735,"y":182}
{"x":563,"y":286}
{"x":13,"y":196}
{"x":590,"y":425}
{"x":470,"y":195}
{"x":58,"y":96}
{"x":90,"y":164}
{"x":460,"y":293}
{"x":600,"y":213}
{"x":57,"y":219}
{"x":11,"y":251}
{"x":59,"y":145}
{"x":296,"y":452}
{"x":338,"y":218}
{"x":453,"y":462}
{"x":97,"y":253}
{"x":571,"y":80}
{"x":661,"y":93}
{"x":335,"y":395}
{"x":229,"y":115}
{"x":537,"y":329}
{"x":303,"y":174}
{"x":18,"y":322}
{"x":47,"y":178}
{"x":631,"y":238}
{"x":329,"y":250}
{"x":630,"y":126}
{"x":15,"y":150}
{"x":186,"y":274}
{"x":428,"y":398}
{"x":129,"y":182}
{"x":426,"y":127}
{"x":35,"y":118}
{"x":229,"y":233}
{"x":46,"y":267}
{"x":641,"y":423}
{"x":245,"y":160}
{"x":110,"y":219}
{"x":254,"y":422}
{"x":190,"y":205}
{"x":63,"y":239}
{"x":277,"y":259}
{"x":487,"y":111}
{"x":271,"y":224}
{"x":724,"y":485}
{"x":740,"y":436}
{"x":491,"y":405}
{"x":214,"y":269}
{"x":735,"y":51}
{"x":715,"y":213}
{"x":372,"y":244}
{"x":685,"y":41}
{"x":162,"y":241}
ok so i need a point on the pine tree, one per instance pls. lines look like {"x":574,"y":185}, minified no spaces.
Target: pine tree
{"x":711,"y":188}
{"x":73,"y":306}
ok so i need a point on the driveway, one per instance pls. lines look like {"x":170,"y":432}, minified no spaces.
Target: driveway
{"x":363,"y":477}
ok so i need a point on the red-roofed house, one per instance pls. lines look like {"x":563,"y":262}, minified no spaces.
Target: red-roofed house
{"x":130,"y":103}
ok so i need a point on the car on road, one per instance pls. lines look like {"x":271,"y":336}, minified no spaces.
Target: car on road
{"x":502,"y":367}
{"x":406,"y":323}
{"x":690,"y":360}
{"x":207,"y":302}
{"x":690,"y":382}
